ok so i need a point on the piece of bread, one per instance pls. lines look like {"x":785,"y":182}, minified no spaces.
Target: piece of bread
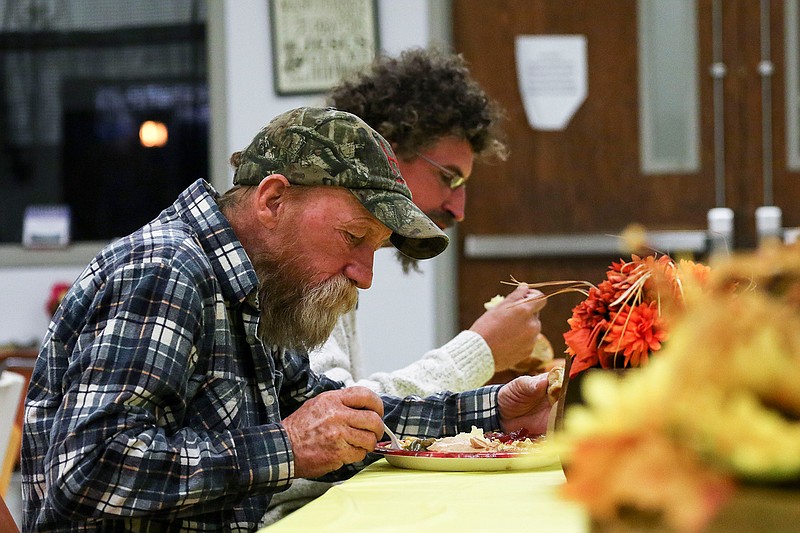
{"x":555,"y":382}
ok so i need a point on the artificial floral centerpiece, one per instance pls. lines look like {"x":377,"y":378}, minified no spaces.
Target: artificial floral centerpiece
{"x":625,"y":318}
{"x":708,"y":432}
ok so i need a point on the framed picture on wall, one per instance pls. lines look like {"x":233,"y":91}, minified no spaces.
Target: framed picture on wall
{"x":316,"y":42}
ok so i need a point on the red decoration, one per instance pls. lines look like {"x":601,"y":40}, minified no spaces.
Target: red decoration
{"x":57,"y":293}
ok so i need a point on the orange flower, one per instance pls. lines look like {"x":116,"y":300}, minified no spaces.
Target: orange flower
{"x":648,"y":472}
{"x":636,"y":331}
{"x":621,"y":321}
{"x":583,"y":349}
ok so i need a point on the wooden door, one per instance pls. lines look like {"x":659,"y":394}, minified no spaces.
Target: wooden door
{"x":587,"y":178}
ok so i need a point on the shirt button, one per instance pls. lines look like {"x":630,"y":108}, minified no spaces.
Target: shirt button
{"x":269,"y":400}
{"x":251,"y":339}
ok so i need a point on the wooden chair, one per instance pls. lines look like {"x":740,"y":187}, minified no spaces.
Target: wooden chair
{"x":12,"y":390}
{"x":19,"y":361}
{"x":7,"y":523}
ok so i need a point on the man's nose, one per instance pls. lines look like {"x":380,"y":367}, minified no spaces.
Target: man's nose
{"x":359,"y":269}
{"x":455,"y":203}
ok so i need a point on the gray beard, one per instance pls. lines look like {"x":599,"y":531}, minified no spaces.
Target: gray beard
{"x":295,"y":314}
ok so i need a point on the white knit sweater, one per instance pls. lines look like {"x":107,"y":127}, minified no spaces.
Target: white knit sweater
{"x":464,"y":363}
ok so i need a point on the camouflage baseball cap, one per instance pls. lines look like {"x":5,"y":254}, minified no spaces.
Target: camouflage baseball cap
{"x":324,"y":146}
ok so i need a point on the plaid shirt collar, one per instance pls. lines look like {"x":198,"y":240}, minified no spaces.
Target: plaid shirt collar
{"x":198,"y":208}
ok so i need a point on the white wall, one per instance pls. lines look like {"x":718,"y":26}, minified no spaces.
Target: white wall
{"x":401,"y":316}
{"x":25,"y":291}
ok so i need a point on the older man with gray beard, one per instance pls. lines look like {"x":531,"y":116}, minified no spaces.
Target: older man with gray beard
{"x":172,"y":391}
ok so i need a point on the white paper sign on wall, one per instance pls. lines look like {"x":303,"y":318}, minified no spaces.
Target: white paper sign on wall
{"x":552,"y":76}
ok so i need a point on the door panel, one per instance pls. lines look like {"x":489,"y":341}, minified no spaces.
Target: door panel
{"x":587,"y":178}
{"x":785,"y":182}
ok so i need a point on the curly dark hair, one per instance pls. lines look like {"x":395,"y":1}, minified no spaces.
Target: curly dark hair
{"x":421,"y":97}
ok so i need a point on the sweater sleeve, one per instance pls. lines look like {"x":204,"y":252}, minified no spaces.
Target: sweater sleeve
{"x":464,"y":363}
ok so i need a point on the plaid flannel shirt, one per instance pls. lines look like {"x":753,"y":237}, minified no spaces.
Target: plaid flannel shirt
{"x":153,"y":406}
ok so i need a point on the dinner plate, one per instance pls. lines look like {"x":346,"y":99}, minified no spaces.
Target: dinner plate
{"x":466,"y":461}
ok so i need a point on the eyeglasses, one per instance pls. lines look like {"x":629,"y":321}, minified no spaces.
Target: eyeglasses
{"x":452,"y":179}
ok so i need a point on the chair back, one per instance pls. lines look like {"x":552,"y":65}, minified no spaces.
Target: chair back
{"x":12,"y":390}
{"x":7,"y":523}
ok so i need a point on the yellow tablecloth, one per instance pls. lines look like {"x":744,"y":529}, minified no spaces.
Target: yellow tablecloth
{"x":383,"y":498}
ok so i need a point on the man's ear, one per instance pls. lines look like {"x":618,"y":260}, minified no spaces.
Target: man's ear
{"x":270,"y":197}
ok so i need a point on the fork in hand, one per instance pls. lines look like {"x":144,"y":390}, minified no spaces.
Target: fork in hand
{"x":392,"y":437}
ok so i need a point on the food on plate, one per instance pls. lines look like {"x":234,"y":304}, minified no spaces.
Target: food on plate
{"x":476,"y":441}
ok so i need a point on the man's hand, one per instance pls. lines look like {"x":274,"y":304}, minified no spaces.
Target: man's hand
{"x":523,"y":402}
{"x":510,"y":328}
{"x":334,"y":429}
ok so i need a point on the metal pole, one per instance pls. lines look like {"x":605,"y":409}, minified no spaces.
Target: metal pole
{"x":718,"y":71}
{"x":766,"y":70}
